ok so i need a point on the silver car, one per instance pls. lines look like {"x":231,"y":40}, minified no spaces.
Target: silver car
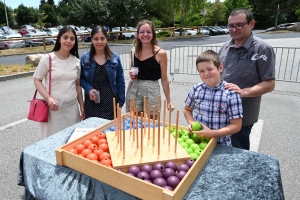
{"x":32,"y":42}
{"x":10,"y":44}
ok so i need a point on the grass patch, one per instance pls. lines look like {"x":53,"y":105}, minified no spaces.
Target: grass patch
{"x":15,"y":69}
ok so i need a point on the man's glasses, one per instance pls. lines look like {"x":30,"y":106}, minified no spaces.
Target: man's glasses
{"x":238,"y":26}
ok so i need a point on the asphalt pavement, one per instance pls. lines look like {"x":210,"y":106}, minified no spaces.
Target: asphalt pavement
{"x":276,"y":133}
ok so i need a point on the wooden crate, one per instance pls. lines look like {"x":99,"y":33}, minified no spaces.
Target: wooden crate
{"x":137,"y":187}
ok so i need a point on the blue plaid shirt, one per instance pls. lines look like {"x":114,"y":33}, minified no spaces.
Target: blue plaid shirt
{"x":215,"y":107}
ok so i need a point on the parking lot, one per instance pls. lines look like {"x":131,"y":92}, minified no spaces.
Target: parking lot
{"x":277,"y":134}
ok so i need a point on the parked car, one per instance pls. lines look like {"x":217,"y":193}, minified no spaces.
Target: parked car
{"x":12,"y":34}
{"x":25,"y":29}
{"x":32,"y":42}
{"x":11,"y":44}
{"x":204,"y":31}
{"x":40,"y":32}
{"x":185,"y":32}
{"x":51,"y":31}
{"x":224,"y":28}
{"x":50,"y":41}
{"x":6,"y":30}
{"x":125,"y":35}
{"x":281,"y":27}
{"x":212,"y":31}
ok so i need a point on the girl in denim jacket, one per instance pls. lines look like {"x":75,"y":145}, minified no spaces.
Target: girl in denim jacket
{"x":102,"y":73}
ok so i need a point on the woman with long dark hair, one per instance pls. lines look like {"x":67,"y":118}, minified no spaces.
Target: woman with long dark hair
{"x":65,"y":83}
{"x":101,"y":73}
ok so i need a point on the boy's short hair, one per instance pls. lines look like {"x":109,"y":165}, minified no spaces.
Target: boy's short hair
{"x":207,"y":56}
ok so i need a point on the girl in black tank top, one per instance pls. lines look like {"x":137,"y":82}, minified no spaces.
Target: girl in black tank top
{"x":151,"y":61}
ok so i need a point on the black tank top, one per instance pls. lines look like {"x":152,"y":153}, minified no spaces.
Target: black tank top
{"x":149,"y":69}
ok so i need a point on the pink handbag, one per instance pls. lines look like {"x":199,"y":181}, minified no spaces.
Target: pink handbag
{"x":39,"y":109}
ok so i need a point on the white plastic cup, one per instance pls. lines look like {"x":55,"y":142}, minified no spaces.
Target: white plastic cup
{"x":135,"y":70}
{"x":58,"y":102}
{"x":97,"y":96}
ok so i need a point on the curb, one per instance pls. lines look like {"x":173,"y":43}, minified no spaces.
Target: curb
{"x":15,"y":76}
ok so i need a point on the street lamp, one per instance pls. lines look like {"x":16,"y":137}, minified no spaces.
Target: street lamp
{"x":5,"y":13}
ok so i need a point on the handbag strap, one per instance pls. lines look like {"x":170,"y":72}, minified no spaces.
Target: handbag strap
{"x":50,"y":70}
{"x":132,"y":57}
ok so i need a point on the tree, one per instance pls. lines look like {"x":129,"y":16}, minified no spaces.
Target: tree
{"x":9,"y":13}
{"x":233,"y":4}
{"x":121,"y":13}
{"x":216,"y":14}
{"x":51,"y":19}
{"x":26,"y":15}
{"x":41,"y":19}
{"x":42,"y":2}
{"x":87,"y":12}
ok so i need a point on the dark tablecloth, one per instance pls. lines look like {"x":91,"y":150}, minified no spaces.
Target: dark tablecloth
{"x":229,"y":173}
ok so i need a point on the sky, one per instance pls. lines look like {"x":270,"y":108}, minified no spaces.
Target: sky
{"x":28,"y":3}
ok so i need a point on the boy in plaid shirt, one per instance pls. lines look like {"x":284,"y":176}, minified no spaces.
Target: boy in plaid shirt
{"x":218,"y":109}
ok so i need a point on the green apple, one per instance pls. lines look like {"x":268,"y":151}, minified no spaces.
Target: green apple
{"x":188,"y":150}
{"x":194,"y":146}
{"x":194,"y":156}
{"x":180,"y":140}
{"x":202,"y":145}
{"x":185,"y":137}
{"x":186,"y":132}
{"x":180,"y":132}
{"x":204,"y":140}
{"x":173,"y":133}
{"x":183,"y":144}
{"x":195,"y":138}
{"x":189,"y":141}
{"x":198,"y":151}
{"x":196,"y":126}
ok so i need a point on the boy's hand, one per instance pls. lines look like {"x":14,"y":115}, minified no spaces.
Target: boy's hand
{"x":204,"y":133}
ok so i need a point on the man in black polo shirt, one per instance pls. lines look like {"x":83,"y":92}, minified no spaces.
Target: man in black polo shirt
{"x":249,"y":69}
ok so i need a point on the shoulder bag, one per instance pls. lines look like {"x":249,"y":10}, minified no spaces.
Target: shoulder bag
{"x":39,"y":109}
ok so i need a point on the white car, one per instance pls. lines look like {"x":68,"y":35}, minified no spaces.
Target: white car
{"x":11,"y":44}
{"x":185,"y":32}
{"x":51,"y":31}
{"x":13,"y":34}
{"x":127,"y":35}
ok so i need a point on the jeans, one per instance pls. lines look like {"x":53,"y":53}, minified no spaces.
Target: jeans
{"x":241,"y":139}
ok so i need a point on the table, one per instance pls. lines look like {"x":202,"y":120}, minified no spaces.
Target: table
{"x":229,"y":173}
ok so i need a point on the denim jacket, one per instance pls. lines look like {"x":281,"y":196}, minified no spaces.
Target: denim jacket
{"x":115,"y":74}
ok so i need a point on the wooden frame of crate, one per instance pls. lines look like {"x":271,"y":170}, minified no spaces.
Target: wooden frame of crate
{"x":127,"y":183}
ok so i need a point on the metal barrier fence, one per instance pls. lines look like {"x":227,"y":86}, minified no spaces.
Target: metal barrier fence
{"x":183,"y":61}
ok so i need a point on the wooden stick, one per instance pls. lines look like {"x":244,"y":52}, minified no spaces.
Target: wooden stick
{"x":120,"y":127}
{"x":164,"y":122}
{"x":169,"y":125}
{"x":176,"y":135}
{"x":142,"y":124}
{"x":159,"y":102}
{"x":142,"y":134}
{"x":153,"y":123}
{"x":117,"y":124}
{"x":158,"y":123}
{"x":114,"y":102}
{"x":124,"y":127}
{"x":149,"y":113}
{"x":144,"y":121}
{"x":137,"y":126}
{"x":133,"y":106}
{"x":130,"y":114}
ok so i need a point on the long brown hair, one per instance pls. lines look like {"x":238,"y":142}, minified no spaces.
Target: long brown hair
{"x":108,"y":52}
{"x":137,"y":43}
